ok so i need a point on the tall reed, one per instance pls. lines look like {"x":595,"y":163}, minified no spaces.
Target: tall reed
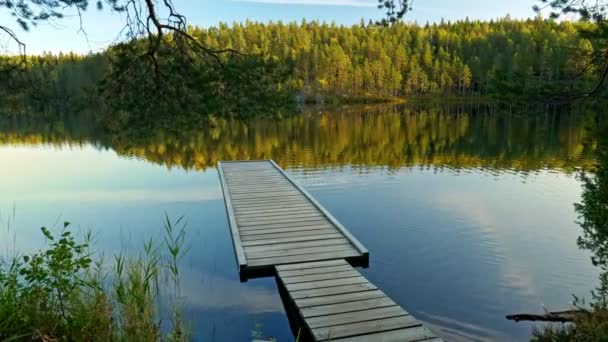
{"x":67,"y":292}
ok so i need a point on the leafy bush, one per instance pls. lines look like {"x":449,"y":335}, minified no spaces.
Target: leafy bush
{"x":63,"y":292}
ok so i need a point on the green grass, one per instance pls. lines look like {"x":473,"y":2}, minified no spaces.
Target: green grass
{"x":66,"y":292}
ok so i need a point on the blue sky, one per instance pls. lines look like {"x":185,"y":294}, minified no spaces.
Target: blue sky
{"x":103,"y":27}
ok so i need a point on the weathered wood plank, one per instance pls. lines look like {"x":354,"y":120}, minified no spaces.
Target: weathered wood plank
{"x":345,"y":307}
{"x":283,"y":230}
{"x":336,"y":302}
{"x":256,"y":182}
{"x":317,"y":277}
{"x":265,"y":198}
{"x":264,"y":194}
{"x":286,"y":235}
{"x":412,"y":334}
{"x":252,"y":173}
{"x":319,"y":270}
{"x":273,"y":189}
{"x":245,"y":189}
{"x":299,"y":251}
{"x":236,"y":239}
{"x":340,"y":298}
{"x":312,"y":265}
{"x":247,"y":168}
{"x":356,"y":316}
{"x":278,"y":219}
{"x":265,"y":211}
{"x":293,"y":239}
{"x":248,"y":175}
{"x":256,"y":207}
{"x":303,"y":258}
{"x":287,"y":226}
{"x":274,"y":200}
{"x":367,"y":327}
{"x":327,"y":291}
{"x":247,"y":183}
{"x":294,"y":221}
{"x":268,"y":205}
{"x":325,"y":283}
{"x":314,"y":243}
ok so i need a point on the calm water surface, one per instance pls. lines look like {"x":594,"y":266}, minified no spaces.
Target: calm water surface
{"x":468,"y":214}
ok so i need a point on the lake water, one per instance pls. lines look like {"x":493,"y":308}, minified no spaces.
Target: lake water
{"x":467,"y":212}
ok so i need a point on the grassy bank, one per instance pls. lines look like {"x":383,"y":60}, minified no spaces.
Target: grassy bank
{"x":68,"y":292}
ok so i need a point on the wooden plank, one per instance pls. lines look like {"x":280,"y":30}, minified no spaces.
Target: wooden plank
{"x":339,"y":298}
{"x":246,"y":177}
{"x":236,"y":240}
{"x":261,"y":167}
{"x":248,"y":174}
{"x":293,"y":221}
{"x":286,"y":235}
{"x":262,"y":196}
{"x":355,"y":316}
{"x":256,"y":179}
{"x":347,"y":234}
{"x":240,"y":182}
{"x":247,"y":164}
{"x":258,"y":187}
{"x":300,"y":251}
{"x":275,"y":200}
{"x":294,"y":204}
{"x":293,"y":239}
{"x":247,"y":168}
{"x":303,"y":258}
{"x":311,"y":265}
{"x":258,"y":183}
{"x":287,"y":227}
{"x":263,"y":212}
{"x":254,"y":195}
{"x":251,"y":168}
{"x":278,"y":219}
{"x":276,"y":210}
{"x":362,"y":328}
{"x":274,"y":189}
{"x":317,"y":277}
{"x":267,"y":203}
{"x":257,"y":207}
{"x":281,"y":218}
{"x":285,"y":230}
{"x":418,"y":333}
{"x":327,"y":291}
{"x":323,"y":310}
{"x":318,"y":270}
{"x":270,"y":204}
{"x":325,"y":283}
{"x":314,"y":243}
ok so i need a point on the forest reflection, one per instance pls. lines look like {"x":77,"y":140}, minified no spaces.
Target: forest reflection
{"x":442,"y":136}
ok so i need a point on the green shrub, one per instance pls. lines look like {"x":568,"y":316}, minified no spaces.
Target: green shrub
{"x":63,"y":292}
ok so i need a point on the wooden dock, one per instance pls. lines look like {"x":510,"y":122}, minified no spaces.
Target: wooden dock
{"x":277,"y":226}
{"x":274,"y":221}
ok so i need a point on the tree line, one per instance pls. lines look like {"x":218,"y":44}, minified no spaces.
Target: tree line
{"x":320,"y":60}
